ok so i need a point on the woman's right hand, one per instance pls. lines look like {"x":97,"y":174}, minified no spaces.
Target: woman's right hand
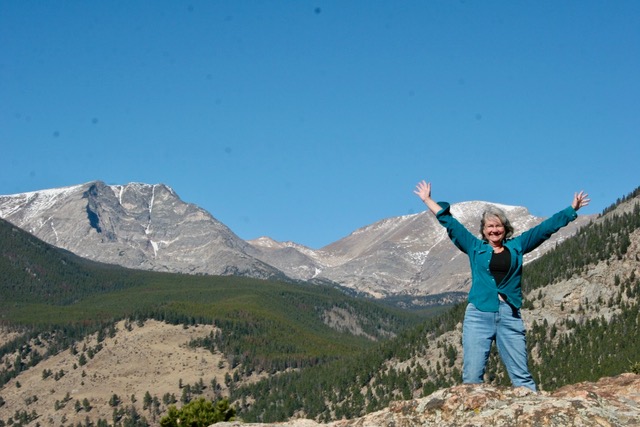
{"x":423,"y":190}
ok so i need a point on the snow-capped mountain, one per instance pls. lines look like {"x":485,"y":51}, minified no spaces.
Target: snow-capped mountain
{"x":149,"y":227}
{"x":136,"y":225}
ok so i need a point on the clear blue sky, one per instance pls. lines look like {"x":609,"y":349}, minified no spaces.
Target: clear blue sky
{"x":305,"y":120}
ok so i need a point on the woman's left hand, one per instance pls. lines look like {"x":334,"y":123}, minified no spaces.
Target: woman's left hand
{"x":580,"y":200}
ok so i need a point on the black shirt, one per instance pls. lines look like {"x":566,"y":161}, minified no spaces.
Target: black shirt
{"x":500,"y":264}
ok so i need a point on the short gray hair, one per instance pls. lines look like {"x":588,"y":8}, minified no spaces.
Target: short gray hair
{"x":495,"y":212}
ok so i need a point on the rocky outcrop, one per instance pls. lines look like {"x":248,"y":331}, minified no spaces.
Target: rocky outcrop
{"x":613,"y":401}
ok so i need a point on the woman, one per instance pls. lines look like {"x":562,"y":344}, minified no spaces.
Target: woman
{"x":495,"y":297}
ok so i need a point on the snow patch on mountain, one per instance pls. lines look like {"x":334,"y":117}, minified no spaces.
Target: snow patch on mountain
{"x":33,"y":203}
{"x":384,"y":225}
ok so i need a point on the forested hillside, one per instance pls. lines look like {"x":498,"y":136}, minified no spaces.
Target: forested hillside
{"x":34,"y":271}
{"x":52,"y":301}
{"x":608,"y":238}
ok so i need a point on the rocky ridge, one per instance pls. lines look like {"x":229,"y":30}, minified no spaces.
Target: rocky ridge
{"x":149,"y":227}
{"x":613,"y":401}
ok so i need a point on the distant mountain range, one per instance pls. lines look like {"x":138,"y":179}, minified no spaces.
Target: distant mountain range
{"x":149,"y":227}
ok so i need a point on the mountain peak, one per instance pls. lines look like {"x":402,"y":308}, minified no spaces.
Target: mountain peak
{"x":266,"y":242}
{"x":136,"y":225}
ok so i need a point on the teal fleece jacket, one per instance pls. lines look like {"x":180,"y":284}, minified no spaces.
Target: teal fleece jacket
{"x":484,"y":290}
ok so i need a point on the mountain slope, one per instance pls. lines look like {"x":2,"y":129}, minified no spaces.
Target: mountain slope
{"x":136,"y":225}
{"x":73,"y":329}
{"x":34,"y":271}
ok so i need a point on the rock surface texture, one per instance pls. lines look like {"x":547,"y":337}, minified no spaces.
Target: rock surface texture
{"x":613,"y":401}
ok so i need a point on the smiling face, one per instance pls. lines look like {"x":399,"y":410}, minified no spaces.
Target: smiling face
{"x":493,"y":231}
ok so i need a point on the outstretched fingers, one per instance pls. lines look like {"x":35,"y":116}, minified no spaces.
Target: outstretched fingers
{"x":580,"y":200}
{"x":423,"y":190}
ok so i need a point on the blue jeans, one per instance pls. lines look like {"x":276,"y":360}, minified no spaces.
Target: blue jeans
{"x":506,"y":327}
